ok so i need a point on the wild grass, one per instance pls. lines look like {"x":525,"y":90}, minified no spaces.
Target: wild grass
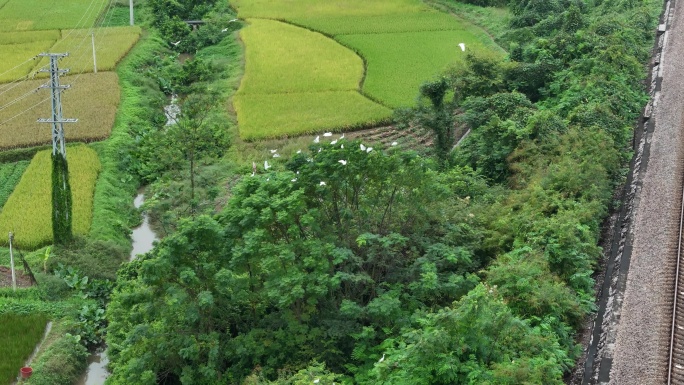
{"x":28,"y":211}
{"x":10,"y":173}
{"x":92,"y":99}
{"x":111,"y":45}
{"x":279,"y":115}
{"x":398,"y":63}
{"x":284,"y":58}
{"x":25,"y":15}
{"x":19,"y":335}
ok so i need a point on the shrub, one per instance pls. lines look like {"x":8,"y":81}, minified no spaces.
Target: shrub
{"x":61,"y":364}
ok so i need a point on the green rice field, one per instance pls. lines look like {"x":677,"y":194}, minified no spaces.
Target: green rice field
{"x":399,"y":44}
{"x":19,"y":335}
{"x":10,"y":173}
{"x":32,"y":15}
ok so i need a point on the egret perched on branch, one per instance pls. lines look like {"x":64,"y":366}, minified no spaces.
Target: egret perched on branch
{"x":462,"y":46}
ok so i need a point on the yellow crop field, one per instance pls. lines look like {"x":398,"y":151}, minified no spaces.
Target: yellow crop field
{"x":31,"y":15}
{"x":29,"y":36}
{"x":13,"y":55}
{"x":111,"y":45}
{"x":28,"y":211}
{"x":92,"y":99}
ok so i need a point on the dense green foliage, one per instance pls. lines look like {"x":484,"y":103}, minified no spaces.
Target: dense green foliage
{"x":19,"y":335}
{"x":62,"y":215}
{"x":62,"y":362}
{"x":368,"y":266}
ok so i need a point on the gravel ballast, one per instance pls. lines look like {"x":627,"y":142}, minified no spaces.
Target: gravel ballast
{"x":643,"y":332}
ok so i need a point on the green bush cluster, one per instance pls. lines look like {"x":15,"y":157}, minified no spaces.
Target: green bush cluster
{"x":63,"y":362}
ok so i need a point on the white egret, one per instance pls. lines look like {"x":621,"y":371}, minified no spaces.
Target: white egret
{"x":363,"y":148}
{"x":341,"y":145}
{"x":176,"y":43}
{"x":253,"y":168}
{"x":276,"y":155}
{"x":382,"y":358}
{"x":462,"y":46}
{"x":224,"y":30}
{"x":328,"y":134}
{"x":334,"y":142}
{"x":293,"y":180}
{"x":316,"y":381}
{"x":299,"y":151}
{"x":274,"y":151}
{"x":369,"y":149}
{"x":342,"y":137}
{"x":343,"y":162}
{"x":322,"y":183}
{"x":266,"y":165}
{"x":318,"y":139}
{"x":394,"y":144}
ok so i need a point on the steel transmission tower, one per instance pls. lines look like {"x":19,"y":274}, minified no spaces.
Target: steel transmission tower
{"x":58,"y":142}
{"x":61,"y":190}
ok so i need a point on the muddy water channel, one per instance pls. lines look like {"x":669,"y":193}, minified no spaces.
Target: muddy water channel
{"x":143,"y":240}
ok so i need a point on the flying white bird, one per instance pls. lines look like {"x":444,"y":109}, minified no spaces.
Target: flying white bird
{"x":363,"y":148}
{"x":266,"y":165}
{"x":274,"y":151}
{"x":462,"y":46}
{"x":382,"y":358}
{"x":328,"y":134}
{"x":276,"y":155}
{"x":369,"y":149}
{"x":394,"y":144}
{"x":322,"y":183}
{"x":176,"y":43}
{"x":318,"y":139}
{"x":344,"y":162}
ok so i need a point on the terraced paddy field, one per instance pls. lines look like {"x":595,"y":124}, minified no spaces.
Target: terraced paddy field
{"x":30,"y":203}
{"x":93,"y":99}
{"x":398,"y":44}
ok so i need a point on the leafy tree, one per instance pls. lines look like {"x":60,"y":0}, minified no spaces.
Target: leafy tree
{"x":477,"y":340}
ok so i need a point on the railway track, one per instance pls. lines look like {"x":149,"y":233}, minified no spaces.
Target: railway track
{"x":675,"y":364}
